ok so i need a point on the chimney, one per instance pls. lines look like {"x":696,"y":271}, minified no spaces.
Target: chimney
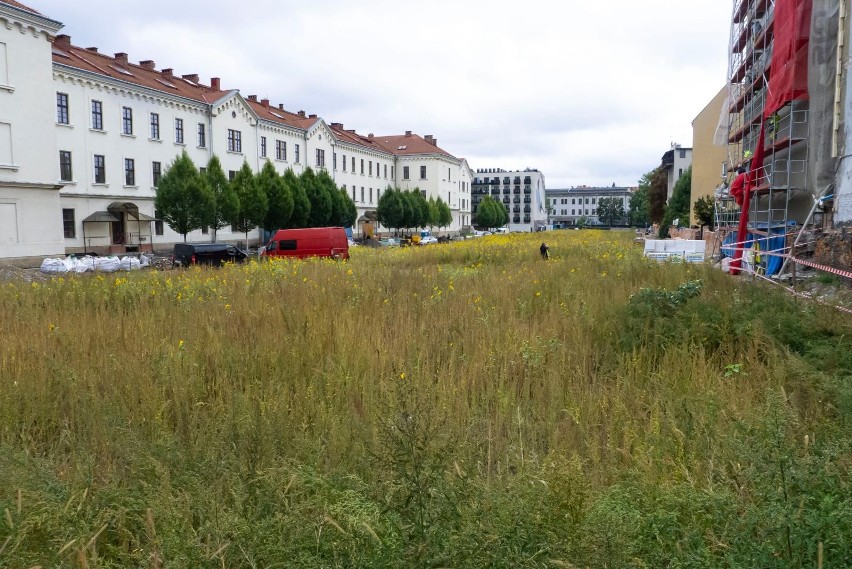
{"x":147,"y":64}
{"x":191,"y":77}
{"x":370,"y":136}
{"x":168,"y":73}
{"x":92,"y":49}
{"x":434,"y":141}
{"x":337,"y":125}
{"x":215,"y":83}
{"x":302,"y":114}
{"x":63,"y":41}
{"x":428,"y":138}
{"x":407,"y":133}
{"x":280,"y":106}
{"x":312,"y":116}
{"x":121,"y":58}
{"x":265,"y":102}
{"x":352,"y":130}
{"x":252,"y":98}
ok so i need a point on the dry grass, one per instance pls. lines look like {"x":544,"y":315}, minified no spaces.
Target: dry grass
{"x":116,"y":381}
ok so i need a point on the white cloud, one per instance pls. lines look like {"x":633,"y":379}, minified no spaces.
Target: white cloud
{"x":588,"y":92}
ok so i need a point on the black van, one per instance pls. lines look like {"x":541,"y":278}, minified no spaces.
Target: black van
{"x":186,"y":254}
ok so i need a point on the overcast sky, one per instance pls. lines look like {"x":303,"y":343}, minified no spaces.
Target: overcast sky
{"x":589,"y":92}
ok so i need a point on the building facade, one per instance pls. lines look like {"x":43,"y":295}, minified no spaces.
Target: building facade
{"x":30,"y":216}
{"x":709,"y":160}
{"x":101,"y":131}
{"x":522,"y":193}
{"x":675,"y":162}
{"x":579,"y":205}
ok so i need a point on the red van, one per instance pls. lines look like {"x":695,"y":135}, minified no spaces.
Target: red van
{"x":309,"y":242}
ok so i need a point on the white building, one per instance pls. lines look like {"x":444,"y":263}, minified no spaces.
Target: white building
{"x":522,"y":192}
{"x":30,"y":216}
{"x":675,"y":162}
{"x":104,"y":129}
{"x":568,"y":206}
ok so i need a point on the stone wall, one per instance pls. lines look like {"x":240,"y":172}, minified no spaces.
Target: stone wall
{"x":835,"y":250}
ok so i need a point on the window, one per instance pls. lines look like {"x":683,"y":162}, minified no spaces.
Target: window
{"x":682,"y":153}
{"x":179,"y":131}
{"x":449,"y":174}
{"x":68,"y":225}
{"x":423,"y":172}
{"x":593,"y":201}
{"x":371,"y":195}
{"x":362,"y":194}
{"x":353,"y":164}
{"x":263,"y":147}
{"x":573,"y":201}
{"x":205,"y":230}
{"x":334,"y":160}
{"x":344,"y":162}
{"x":280,"y":150}
{"x":231,"y":175}
{"x":65,"y":166}
{"x":97,"y":115}
{"x":129,"y":172}
{"x":158,"y":223}
{"x":62,"y":108}
{"x":202,"y":135}
{"x":354,"y":198}
{"x":287,"y":245}
{"x":156,"y":172}
{"x":296,"y":153}
{"x":320,"y":158}
{"x":573,"y":212}
{"x":235,"y":141}
{"x":362,"y":166}
{"x":391,"y":171}
{"x":100,"y":169}
{"x":126,"y":120}
{"x":386,"y":171}
{"x":679,"y":172}
{"x":155,"y":126}
{"x":405,"y":173}
{"x":371,"y":169}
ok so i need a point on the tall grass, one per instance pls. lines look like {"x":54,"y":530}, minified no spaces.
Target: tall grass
{"x":453,"y":405}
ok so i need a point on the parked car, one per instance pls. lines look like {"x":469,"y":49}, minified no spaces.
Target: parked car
{"x":428,"y":240}
{"x":311,"y":242}
{"x":390,"y":242}
{"x":185,"y":254}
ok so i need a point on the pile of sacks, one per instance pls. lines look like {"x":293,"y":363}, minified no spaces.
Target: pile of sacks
{"x":95,"y":264}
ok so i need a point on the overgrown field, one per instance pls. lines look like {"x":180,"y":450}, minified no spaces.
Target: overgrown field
{"x":460,"y":405}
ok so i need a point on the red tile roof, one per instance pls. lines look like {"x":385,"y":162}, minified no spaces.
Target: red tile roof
{"x":18,"y":5}
{"x":408,"y":144}
{"x":144,"y":74}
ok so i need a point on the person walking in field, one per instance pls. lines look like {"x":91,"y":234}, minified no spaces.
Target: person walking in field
{"x":545,"y":251}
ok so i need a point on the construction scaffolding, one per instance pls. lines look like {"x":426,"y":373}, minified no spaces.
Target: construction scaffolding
{"x":765,"y":93}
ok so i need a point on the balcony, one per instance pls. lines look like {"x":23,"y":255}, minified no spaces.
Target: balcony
{"x":518,"y":180}
{"x":527,"y":190}
{"x":526,"y":219}
{"x":495,"y":191}
{"x":516,"y":209}
{"x":507,"y":189}
{"x":527,"y":180}
{"x":527,"y":200}
{"x":517,"y":190}
{"x":506,"y":200}
{"x":517,"y":219}
{"x":527,"y":209}
{"x":516,"y":199}
{"x":506,"y":180}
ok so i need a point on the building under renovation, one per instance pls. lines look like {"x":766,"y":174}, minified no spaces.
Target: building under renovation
{"x":785,"y":123}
